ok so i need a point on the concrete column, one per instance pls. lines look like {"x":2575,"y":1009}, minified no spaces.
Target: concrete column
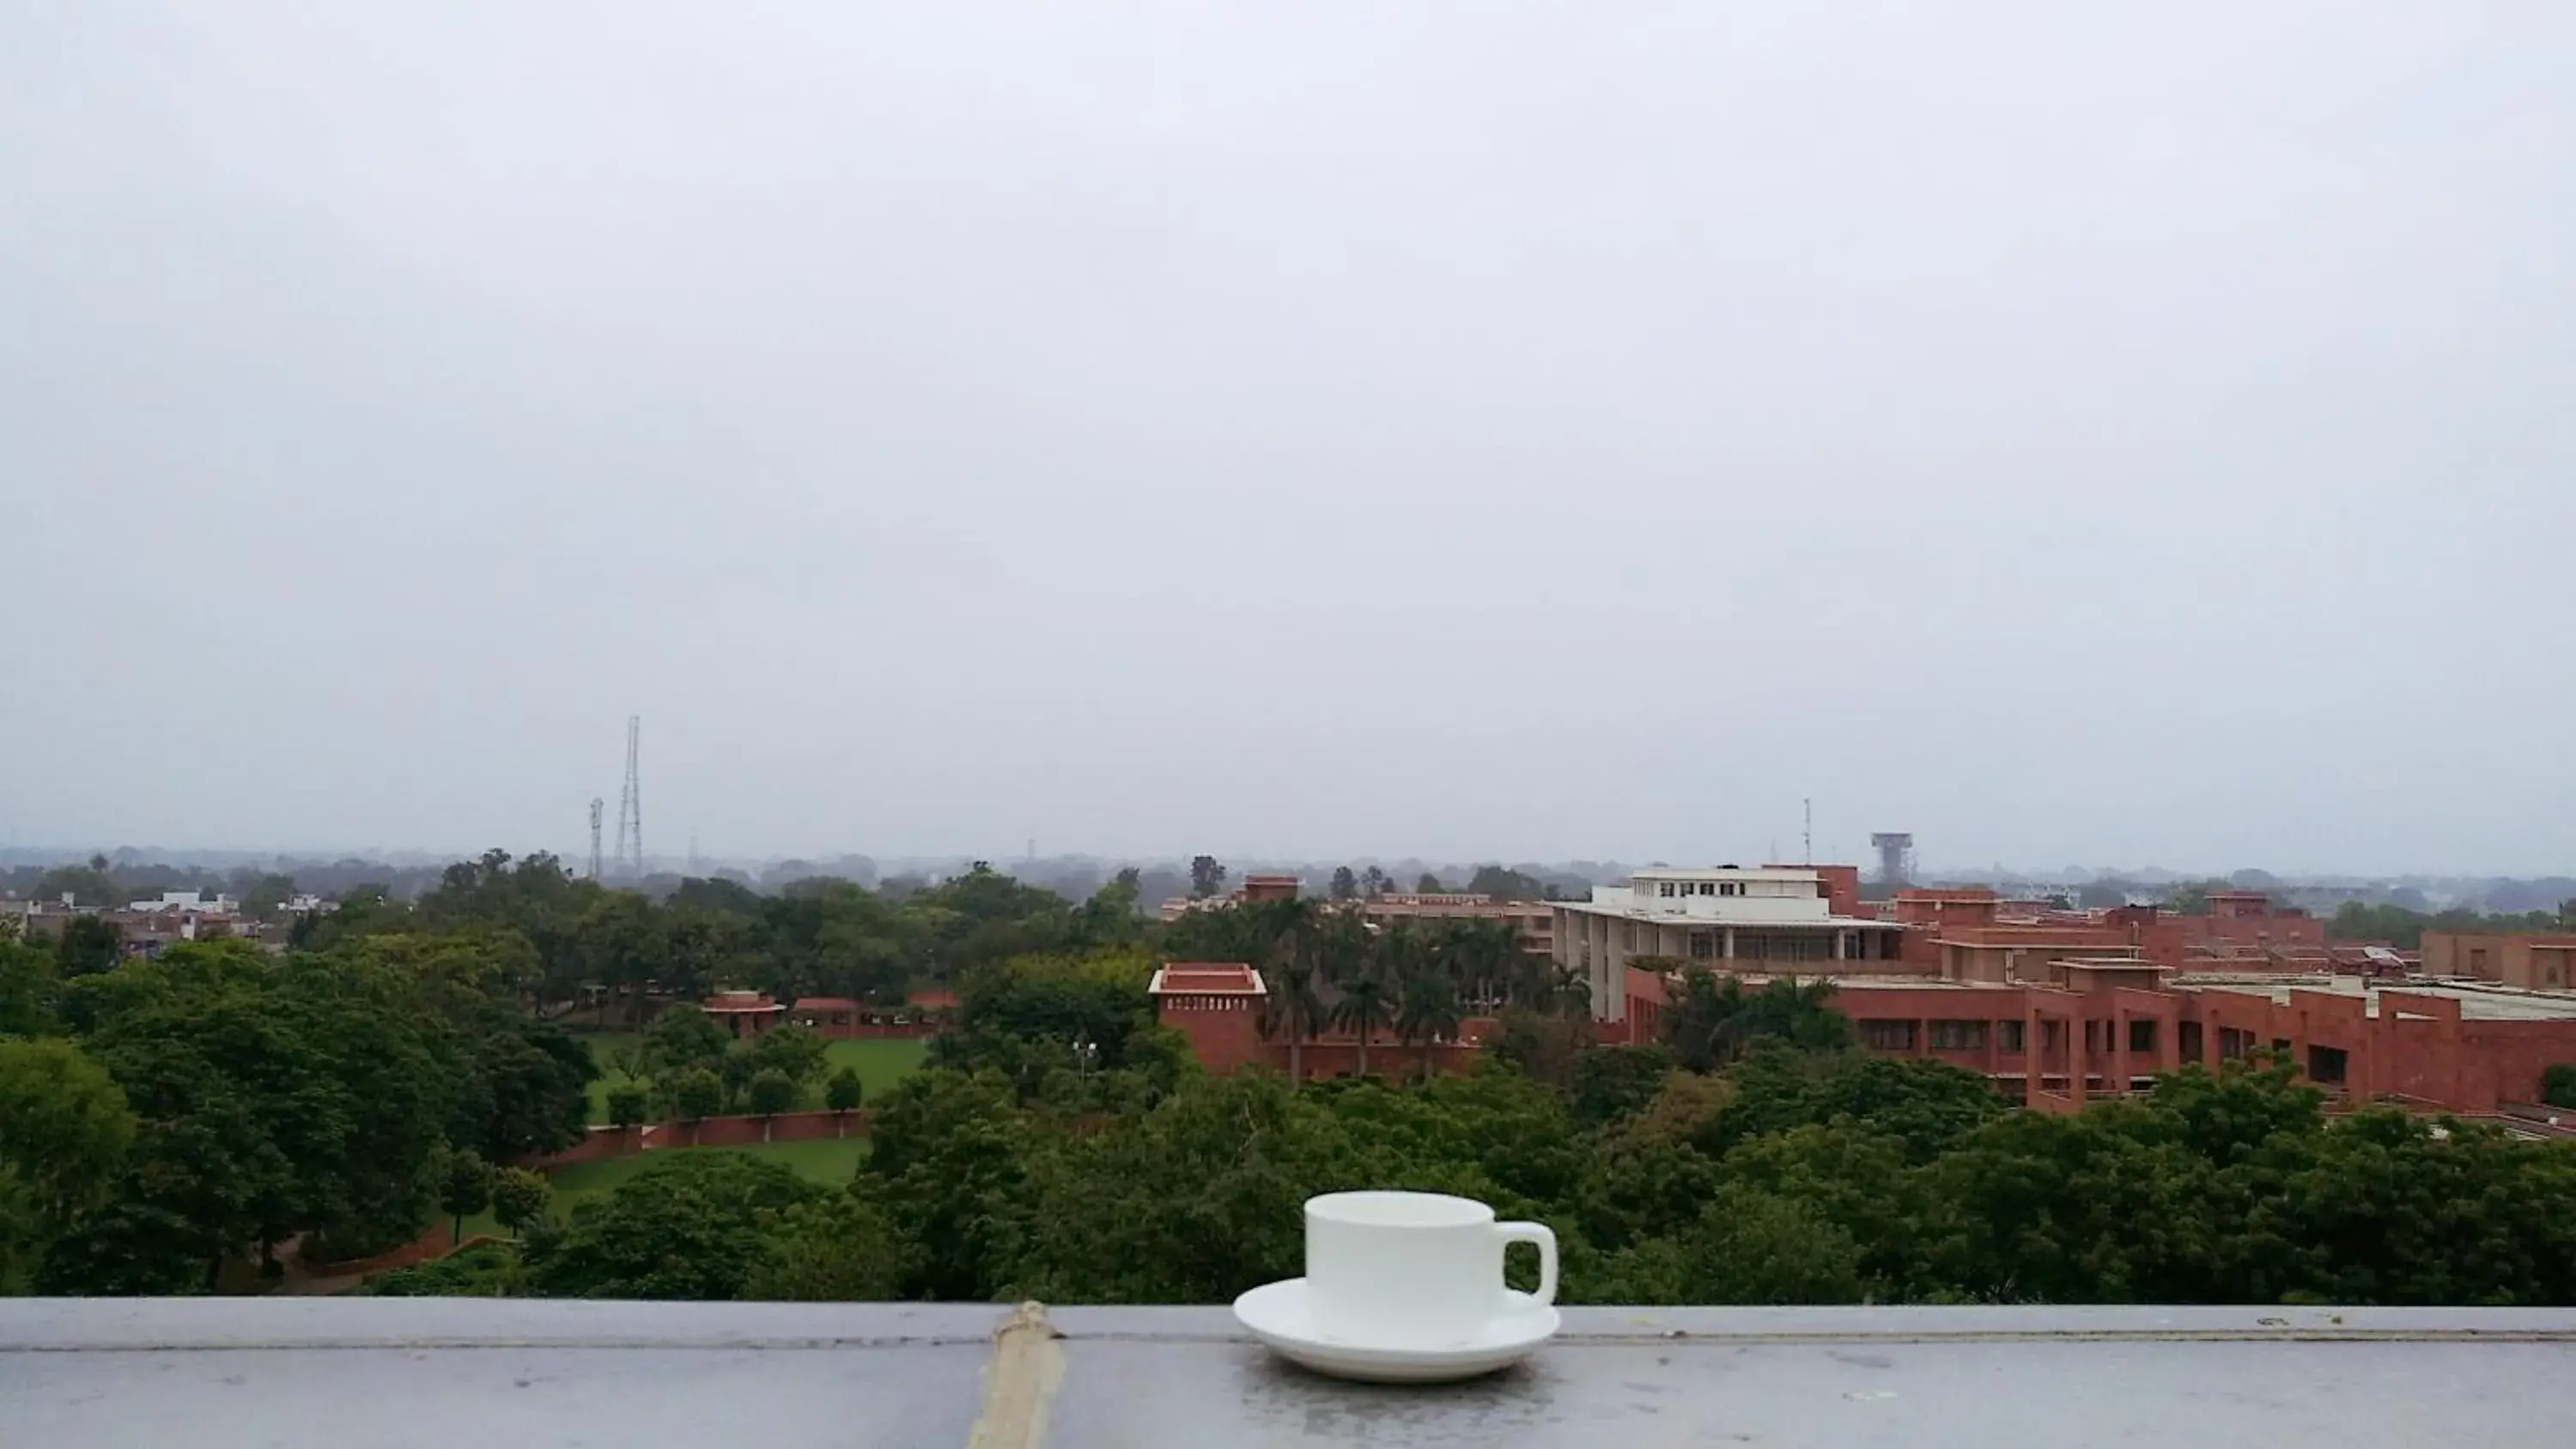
{"x":2119,"y":1083}
{"x":2034,"y":1059}
{"x":1838,"y":943}
{"x":2079,"y":1061}
{"x":1730,"y":943}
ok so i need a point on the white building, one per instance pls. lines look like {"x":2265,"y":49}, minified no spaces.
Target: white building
{"x":1775,"y":919}
{"x":188,"y":901}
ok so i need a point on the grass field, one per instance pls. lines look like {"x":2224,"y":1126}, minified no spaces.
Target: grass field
{"x":831,"y":1162}
{"x":879,"y":1063}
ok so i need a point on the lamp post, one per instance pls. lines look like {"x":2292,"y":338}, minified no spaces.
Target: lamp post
{"x":1085,"y":1053}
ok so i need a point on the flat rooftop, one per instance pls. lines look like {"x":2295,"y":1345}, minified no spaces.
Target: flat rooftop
{"x":2479,"y":1001}
{"x":217,"y":1373}
{"x":1769,"y":913}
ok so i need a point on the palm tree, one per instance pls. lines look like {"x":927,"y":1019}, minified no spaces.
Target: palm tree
{"x":1426,"y":1009}
{"x":1343,"y":945}
{"x":1296,"y":1009}
{"x":1484,"y":953}
{"x":1286,"y":934}
{"x":1567,"y":990}
{"x":1364,"y":1008}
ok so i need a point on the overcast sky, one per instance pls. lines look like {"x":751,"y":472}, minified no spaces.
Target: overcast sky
{"x":2074,"y":433}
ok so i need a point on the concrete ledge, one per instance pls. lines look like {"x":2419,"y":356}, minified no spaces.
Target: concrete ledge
{"x":217,"y":1372}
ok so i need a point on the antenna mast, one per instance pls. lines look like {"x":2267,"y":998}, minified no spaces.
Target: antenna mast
{"x":630,"y":805}
{"x":596,"y":805}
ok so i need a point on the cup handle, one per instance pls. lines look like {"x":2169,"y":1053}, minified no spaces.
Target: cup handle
{"x":1544,"y":1238}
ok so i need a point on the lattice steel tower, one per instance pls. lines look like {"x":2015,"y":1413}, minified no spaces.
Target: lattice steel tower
{"x":630,"y":805}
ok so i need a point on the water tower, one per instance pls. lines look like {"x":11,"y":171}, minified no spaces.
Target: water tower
{"x":1895,"y":855}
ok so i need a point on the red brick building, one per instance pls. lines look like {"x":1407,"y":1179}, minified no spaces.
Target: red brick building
{"x":1219,"y":1005}
{"x":2539,"y":963}
{"x":2108,"y":1026}
{"x":743,"y":1013}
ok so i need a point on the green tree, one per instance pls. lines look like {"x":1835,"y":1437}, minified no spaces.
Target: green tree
{"x":1610,"y":1083}
{"x":837,"y":1249}
{"x":1207,"y":877}
{"x":486,"y":1270}
{"x":88,"y":885}
{"x":520,"y":1197}
{"x":2558,"y":1084}
{"x":1429,"y":885}
{"x":771,"y":1092}
{"x":29,"y":987}
{"x":301,"y":1095}
{"x":1366,"y":1008}
{"x":465,"y":1188}
{"x":683,"y":1038}
{"x":1749,"y":1246}
{"x":267,"y":896}
{"x":526,"y":1088}
{"x":64,"y":1131}
{"x":689,"y":1225}
{"x":843,"y":1091}
{"x":88,"y":945}
{"x":1426,"y":1009}
{"x":1714,"y":1019}
{"x":697,"y":1094}
{"x":949,"y":1156}
{"x":792,"y":1051}
{"x":1346,"y":884}
{"x":628,"y":1105}
{"x":1506,"y":885}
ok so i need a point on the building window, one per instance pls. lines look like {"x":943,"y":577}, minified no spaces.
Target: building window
{"x":2142,"y":1035}
{"x":2326,"y":1065}
{"x":2187,"y":1036}
{"x":1958,"y":1036}
{"x":1665,"y":889}
{"x":1703,"y":945}
{"x":2234,"y":1045}
{"x":2009,"y":1035}
{"x":1730,"y":888}
{"x":1888,"y":1036}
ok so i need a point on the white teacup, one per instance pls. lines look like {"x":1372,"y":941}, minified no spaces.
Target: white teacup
{"x":1412,"y":1268}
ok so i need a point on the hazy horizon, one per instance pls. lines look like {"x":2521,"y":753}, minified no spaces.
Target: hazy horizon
{"x":1484,"y":432}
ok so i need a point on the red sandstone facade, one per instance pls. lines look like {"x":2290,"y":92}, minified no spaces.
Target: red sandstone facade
{"x":1219,"y":1007}
{"x":2108,"y":1027}
{"x":2537,"y":963}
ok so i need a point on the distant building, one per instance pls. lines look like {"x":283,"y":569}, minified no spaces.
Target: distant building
{"x":2108,"y":1026}
{"x":2534,"y":962}
{"x":743,"y":1013}
{"x":1222,"y":1006}
{"x":1777,"y":918}
{"x":1534,"y":922}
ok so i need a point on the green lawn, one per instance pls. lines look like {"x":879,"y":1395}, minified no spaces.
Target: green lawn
{"x":603,"y":1046}
{"x":830,"y":1161}
{"x":880,"y":1064}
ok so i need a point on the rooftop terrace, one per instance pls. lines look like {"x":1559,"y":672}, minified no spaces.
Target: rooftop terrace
{"x":211,"y":1373}
{"x":2479,"y":1001}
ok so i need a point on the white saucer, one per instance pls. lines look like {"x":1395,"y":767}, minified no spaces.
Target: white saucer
{"x":1277,"y":1315}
